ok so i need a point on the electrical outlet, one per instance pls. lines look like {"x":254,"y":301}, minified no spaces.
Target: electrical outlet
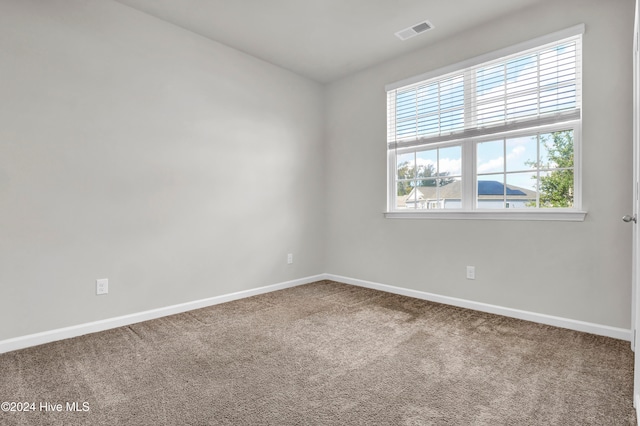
{"x":471,"y":272}
{"x":102,"y":286}
{"x":290,"y":258}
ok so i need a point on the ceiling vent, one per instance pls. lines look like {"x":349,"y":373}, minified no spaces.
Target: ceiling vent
{"x":414,"y":30}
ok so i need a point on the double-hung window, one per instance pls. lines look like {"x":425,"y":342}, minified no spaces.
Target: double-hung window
{"x":494,"y":137}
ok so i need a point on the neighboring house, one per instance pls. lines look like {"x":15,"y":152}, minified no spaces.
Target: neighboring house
{"x":491,"y":195}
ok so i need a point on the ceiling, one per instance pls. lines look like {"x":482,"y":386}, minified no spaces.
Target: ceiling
{"x":325,"y":39}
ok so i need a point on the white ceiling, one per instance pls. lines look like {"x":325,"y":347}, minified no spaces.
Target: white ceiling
{"x":325,"y":39}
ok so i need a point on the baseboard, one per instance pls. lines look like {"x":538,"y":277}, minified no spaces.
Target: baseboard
{"x":95,"y":326}
{"x":587,"y":327}
{"x":636,"y":404}
{"x":22,"y":342}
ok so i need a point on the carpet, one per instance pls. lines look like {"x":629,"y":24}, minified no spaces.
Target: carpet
{"x":325,"y":353}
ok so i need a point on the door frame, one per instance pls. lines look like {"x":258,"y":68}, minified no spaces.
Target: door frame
{"x":635,"y":293}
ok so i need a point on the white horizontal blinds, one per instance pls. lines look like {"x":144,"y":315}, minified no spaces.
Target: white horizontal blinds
{"x":527,"y":89}
{"x":528,"y":85}
{"x":431,"y":109}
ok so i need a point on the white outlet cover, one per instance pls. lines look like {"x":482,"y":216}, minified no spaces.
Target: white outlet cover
{"x":102,"y":286}
{"x":471,"y":272}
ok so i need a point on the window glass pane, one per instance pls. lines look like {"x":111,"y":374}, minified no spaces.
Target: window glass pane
{"x":558,"y":59}
{"x":428,"y":125}
{"x":557,"y":66}
{"x":522,"y":73}
{"x":428,"y":99}
{"x":405,"y":196}
{"x":556,"y":189}
{"x":491,"y":112}
{"x":425,"y":184}
{"x":558,"y":99}
{"x":522,"y":153}
{"x":450,"y":193}
{"x":522,"y":106}
{"x":490,"y":156}
{"x":567,"y":97}
{"x":438,"y":184}
{"x":547,"y":159}
{"x":490,"y":82}
{"x":405,"y":105}
{"x":405,"y":128}
{"x":521,"y":190}
{"x":450,"y":163}
{"x":565,"y":66}
{"x":428,"y":193}
{"x":452,"y":120}
{"x":437,"y":193}
{"x":516,"y":160}
{"x":556,"y":150}
{"x":491,"y":191}
{"x":427,"y":164}
{"x":452,"y":93}
{"x":405,"y":166}
{"x":414,"y":199}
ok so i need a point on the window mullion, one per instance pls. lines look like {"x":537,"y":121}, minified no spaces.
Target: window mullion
{"x":504,"y":173}
{"x":538,"y":82}
{"x":439,"y":110}
{"x":538,"y":171}
{"x":392,"y":130}
{"x":416,"y":109}
{"x":393,"y":183}
{"x":468,"y":148}
{"x":415,"y":179}
{"x":468,"y":175}
{"x":504,"y":93}
{"x":436,"y":180}
{"x":469,"y":93}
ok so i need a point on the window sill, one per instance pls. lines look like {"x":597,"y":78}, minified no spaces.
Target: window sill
{"x":548,"y":215}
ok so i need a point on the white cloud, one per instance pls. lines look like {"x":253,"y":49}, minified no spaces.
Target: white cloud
{"x":425,"y":162}
{"x":451,"y":165}
{"x":516,"y":152}
{"x":497,"y":164}
{"x":491,"y":165}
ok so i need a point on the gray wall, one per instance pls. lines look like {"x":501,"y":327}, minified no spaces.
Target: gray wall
{"x":581,"y":270}
{"x":131,"y":149}
{"x":182,"y":169}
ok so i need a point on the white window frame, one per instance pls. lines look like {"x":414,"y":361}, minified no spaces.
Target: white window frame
{"x":468,"y":144}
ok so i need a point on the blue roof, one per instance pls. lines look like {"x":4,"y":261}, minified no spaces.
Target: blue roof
{"x":492,"y":187}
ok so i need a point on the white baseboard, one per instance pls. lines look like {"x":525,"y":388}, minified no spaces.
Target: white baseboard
{"x":95,"y":326}
{"x":587,"y":327}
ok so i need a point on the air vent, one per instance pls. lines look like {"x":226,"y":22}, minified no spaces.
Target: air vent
{"x":414,"y":30}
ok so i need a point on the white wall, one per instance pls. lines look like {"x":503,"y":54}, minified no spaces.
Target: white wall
{"x":131,"y":149}
{"x":581,"y":270}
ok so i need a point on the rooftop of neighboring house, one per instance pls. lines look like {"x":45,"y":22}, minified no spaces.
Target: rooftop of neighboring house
{"x":487,"y":189}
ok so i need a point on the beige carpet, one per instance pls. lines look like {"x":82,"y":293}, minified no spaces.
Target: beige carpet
{"x":325,"y":354}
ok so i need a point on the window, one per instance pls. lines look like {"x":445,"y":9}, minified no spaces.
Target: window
{"x":494,"y":137}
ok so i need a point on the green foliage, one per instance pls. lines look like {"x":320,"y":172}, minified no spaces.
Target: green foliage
{"x":406,"y":171}
{"x":556,"y":189}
